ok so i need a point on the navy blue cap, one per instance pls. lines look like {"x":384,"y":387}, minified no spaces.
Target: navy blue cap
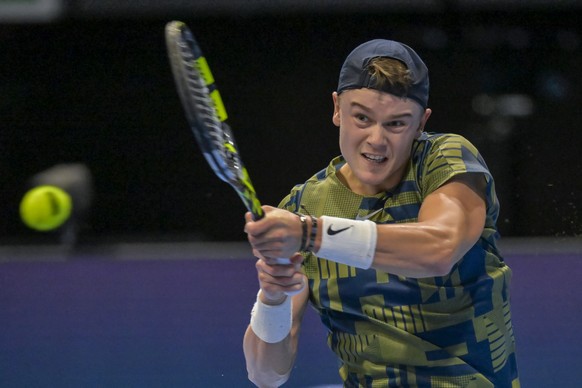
{"x":354,"y":72}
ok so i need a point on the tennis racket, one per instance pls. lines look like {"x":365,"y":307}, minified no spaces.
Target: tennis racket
{"x":206,"y":113}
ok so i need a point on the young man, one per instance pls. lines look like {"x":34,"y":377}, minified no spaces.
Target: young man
{"x":397,"y":246}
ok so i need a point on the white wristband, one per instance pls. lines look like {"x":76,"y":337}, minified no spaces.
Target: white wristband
{"x":347,"y":241}
{"x":271,"y":323}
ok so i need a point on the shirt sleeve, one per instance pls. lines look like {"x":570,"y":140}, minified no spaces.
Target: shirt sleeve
{"x":449,"y":156}
{"x":291,"y":202}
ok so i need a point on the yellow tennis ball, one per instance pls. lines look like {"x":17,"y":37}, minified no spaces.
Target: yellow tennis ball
{"x":45,"y":208}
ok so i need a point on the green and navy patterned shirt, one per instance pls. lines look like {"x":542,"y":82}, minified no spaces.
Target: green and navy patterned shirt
{"x":395,"y":331}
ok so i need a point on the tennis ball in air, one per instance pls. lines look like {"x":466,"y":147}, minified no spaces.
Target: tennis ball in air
{"x":45,"y":208}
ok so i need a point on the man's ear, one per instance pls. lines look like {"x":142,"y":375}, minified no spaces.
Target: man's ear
{"x":336,"y":110}
{"x":423,"y":120}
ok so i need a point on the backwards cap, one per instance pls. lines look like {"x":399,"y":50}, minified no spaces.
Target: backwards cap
{"x":354,"y":73}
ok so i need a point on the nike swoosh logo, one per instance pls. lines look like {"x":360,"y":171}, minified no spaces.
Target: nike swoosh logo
{"x":332,"y":232}
{"x":368,"y":216}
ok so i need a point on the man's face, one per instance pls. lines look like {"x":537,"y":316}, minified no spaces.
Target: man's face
{"x":376,"y":134}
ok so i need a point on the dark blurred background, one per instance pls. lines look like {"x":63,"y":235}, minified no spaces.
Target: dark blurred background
{"x":89,"y":82}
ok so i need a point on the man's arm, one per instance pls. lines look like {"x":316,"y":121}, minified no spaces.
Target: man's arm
{"x":450,"y":222}
{"x":269,"y":364}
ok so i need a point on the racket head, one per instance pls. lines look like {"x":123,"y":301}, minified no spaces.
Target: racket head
{"x":206,"y":114}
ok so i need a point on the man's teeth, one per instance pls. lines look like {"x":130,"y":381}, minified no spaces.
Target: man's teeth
{"x":375,"y":158}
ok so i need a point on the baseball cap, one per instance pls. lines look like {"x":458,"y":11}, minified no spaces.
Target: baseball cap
{"x":354,"y":72}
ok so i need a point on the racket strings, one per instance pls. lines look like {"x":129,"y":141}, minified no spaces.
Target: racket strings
{"x":226,"y":158}
{"x":206,"y":114}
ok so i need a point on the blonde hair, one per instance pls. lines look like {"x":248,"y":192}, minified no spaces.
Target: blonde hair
{"x":391,"y":74}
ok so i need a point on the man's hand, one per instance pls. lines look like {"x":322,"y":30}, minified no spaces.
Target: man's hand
{"x":278,"y":234}
{"x":278,"y":280}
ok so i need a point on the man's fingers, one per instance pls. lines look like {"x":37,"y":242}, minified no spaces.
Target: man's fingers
{"x":281,"y":284}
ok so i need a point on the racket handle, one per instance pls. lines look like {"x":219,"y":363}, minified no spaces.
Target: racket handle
{"x":257,"y":214}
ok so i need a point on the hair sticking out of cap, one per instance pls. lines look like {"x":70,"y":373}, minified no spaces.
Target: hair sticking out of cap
{"x":356,"y":74}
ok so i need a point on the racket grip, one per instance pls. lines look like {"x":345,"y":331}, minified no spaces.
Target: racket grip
{"x":258,"y":214}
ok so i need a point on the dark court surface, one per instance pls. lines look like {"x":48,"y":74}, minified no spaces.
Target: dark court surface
{"x":173,"y":315}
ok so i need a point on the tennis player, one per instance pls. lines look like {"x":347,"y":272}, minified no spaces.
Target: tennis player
{"x":393,"y":244}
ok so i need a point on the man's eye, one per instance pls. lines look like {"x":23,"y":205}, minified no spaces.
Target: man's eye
{"x":361,"y":117}
{"x":396,"y":126}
